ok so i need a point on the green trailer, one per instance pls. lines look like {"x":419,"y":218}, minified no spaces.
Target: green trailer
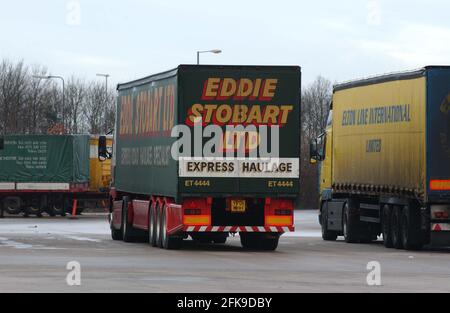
{"x":42,"y":173}
{"x":171,"y":173}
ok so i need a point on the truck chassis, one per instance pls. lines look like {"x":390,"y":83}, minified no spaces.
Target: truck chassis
{"x":165,"y":224}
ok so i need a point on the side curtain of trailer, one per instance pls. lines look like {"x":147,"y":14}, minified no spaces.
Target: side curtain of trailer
{"x":36,"y":159}
{"x":145,"y":117}
{"x":81,"y":156}
{"x":379,"y":135}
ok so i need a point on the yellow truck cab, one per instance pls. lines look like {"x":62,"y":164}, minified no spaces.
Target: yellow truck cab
{"x":326,"y":145}
{"x":100,"y":170}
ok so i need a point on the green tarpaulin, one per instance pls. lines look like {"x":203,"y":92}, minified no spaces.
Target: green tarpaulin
{"x":44,"y":159}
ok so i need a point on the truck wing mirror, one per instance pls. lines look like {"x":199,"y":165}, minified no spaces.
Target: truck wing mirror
{"x":313,"y":151}
{"x":103,"y":153}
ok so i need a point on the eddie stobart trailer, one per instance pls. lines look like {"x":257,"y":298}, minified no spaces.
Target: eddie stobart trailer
{"x":167,"y":186}
{"x":385,"y":160}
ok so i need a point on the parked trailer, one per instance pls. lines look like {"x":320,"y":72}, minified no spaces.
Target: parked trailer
{"x":42,"y":173}
{"x":385,"y":160}
{"x":166,"y":199}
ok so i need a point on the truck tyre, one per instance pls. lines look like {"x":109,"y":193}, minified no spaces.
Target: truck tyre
{"x":366,"y":235}
{"x":152,"y":227}
{"x":270,"y":242}
{"x":33,"y":210}
{"x":12,"y":206}
{"x":351,"y":223}
{"x":411,"y":228}
{"x":396,"y":227}
{"x":55,"y":206}
{"x":220,"y":239}
{"x":327,"y":235}
{"x":168,"y":242}
{"x":66,"y":206}
{"x":58,"y":210}
{"x":259,"y":242}
{"x":386,"y":226}
{"x":50,"y":212}
{"x":158,"y":219}
{"x":127,"y":227}
{"x":249,"y":241}
{"x":116,"y":234}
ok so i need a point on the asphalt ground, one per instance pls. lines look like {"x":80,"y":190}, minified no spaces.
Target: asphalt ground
{"x":34,"y":254}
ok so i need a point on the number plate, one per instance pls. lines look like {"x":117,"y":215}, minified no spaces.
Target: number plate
{"x":238,"y":206}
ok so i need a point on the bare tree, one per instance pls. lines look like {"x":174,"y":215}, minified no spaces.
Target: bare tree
{"x":316,"y":106}
{"x":110,"y":111}
{"x":76,"y":95}
{"x":13,"y":84}
{"x":316,"y":100}
{"x":36,"y":100}
{"x":94,"y":108}
{"x":29,"y":105}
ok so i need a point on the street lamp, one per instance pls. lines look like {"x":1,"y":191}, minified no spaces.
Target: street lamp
{"x":63,"y":92}
{"x":106,"y":76}
{"x":215,"y":51}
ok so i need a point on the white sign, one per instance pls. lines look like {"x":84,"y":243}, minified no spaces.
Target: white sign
{"x":239,"y":168}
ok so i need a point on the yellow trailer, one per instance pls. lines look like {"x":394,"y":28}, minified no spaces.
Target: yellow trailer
{"x":385,"y":160}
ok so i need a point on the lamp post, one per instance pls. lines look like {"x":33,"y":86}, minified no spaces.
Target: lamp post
{"x":63,"y":93}
{"x":106,"y":76}
{"x":215,"y":51}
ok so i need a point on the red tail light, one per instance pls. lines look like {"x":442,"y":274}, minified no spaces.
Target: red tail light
{"x":440,"y":212}
{"x":441,"y":215}
{"x":283,"y":212}
{"x":193,"y":212}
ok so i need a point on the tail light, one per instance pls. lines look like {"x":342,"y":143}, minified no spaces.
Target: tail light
{"x":440,"y":212}
{"x":197,"y":212}
{"x":279,"y":212}
{"x":283,"y":212}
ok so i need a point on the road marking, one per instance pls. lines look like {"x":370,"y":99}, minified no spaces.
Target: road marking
{"x":82,"y":239}
{"x":5,"y":242}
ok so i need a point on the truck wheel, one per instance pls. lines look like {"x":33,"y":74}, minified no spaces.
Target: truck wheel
{"x":13,"y":210}
{"x":386,"y":225}
{"x":58,"y":210}
{"x":127,"y":227}
{"x":12,"y":206}
{"x":327,"y":235}
{"x":66,"y":206}
{"x":116,"y":234}
{"x":396,"y":227}
{"x":220,"y":239}
{"x":411,"y":228}
{"x":54,"y":210}
{"x":152,"y":227}
{"x":249,"y":241}
{"x":351,"y":224}
{"x":158,"y":218}
{"x":50,"y":212}
{"x":33,"y":210}
{"x":168,"y":242}
{"x":259,"y":242}
{"x":270,"y":242}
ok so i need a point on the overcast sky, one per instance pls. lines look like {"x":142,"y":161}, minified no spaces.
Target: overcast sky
{"x":339,"y":40}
